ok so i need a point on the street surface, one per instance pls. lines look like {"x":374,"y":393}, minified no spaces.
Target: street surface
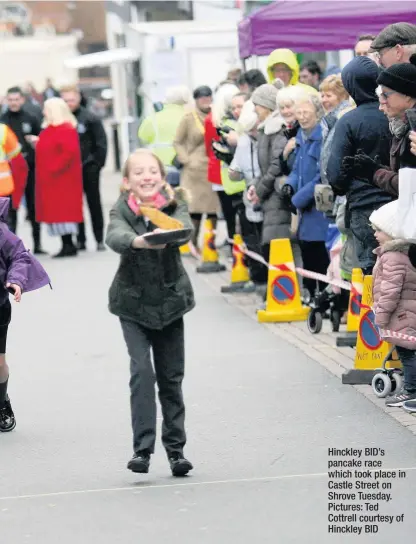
{"x":261,"y":416}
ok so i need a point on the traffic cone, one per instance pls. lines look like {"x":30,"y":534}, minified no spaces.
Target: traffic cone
{"x":371,"y":350}
{"x":354,"y":306}
{"x":184,"y":250}
{"x":209,"y":254}
{"x":283,"y":302}
{"x":349,"y":339}
{"x":239,"y":271}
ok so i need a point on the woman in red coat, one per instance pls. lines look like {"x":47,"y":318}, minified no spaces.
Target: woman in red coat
{"x":59,"y":175}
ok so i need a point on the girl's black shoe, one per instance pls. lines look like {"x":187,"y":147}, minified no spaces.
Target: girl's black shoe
{"x":140,"y":462}
{"x":179,"y":465}
{"x":7,"y":419}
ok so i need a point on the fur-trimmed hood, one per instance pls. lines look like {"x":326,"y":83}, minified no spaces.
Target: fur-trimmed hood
{"x":272,"y":124}
{"x":398,"y":244}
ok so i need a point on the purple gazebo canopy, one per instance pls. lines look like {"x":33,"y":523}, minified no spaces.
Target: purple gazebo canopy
{"x":317,"y":26}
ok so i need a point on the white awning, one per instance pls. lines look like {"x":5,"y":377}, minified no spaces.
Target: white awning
{"x":103,"y":58}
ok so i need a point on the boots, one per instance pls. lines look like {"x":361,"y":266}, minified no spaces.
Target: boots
{"x":68,"y":248}
{"x":195,"y":234}
{"x":37,"y":247}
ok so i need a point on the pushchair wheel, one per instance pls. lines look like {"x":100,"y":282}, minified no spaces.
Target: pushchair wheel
{"x":315,"y":322}
{"x":382,"y":385}
{"x":335,"y":320}
{"x":397,"y":381}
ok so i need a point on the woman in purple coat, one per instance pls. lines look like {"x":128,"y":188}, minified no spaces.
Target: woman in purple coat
{"x":20,"y":272}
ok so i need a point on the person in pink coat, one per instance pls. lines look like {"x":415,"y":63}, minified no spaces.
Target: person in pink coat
{"x":394,"y":294}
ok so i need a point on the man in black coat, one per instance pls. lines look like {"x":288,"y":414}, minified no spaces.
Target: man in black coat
{"x":364,"y":129}
{"x":93,"y":141}
{"x":24,"y":124}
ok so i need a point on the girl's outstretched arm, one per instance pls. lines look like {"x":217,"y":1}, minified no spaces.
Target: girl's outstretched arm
{"x":120,"y":235}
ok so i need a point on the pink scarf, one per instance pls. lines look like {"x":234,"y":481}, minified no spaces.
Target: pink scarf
{"x":158,"y":201}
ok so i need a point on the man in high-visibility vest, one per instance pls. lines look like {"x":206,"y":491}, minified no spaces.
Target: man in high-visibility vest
{"x":13,"y":171}
{"x":158,"y":130}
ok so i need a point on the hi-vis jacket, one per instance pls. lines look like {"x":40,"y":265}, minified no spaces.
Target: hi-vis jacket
{"x":9,"y":149}
{"x":158,"y":131}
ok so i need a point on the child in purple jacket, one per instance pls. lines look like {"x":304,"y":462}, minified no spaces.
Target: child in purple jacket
{"x":20,"y":272}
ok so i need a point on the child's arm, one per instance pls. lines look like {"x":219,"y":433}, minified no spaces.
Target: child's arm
{"x":18,"y":262}
{"x":120,"y":236}
{"x":391,"y":288}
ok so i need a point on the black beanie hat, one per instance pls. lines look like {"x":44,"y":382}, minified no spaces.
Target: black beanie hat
{"x":400,"y":77}
{"x":201,"y":92}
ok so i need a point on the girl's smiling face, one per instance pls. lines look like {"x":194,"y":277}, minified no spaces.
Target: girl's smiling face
{"x":144,"y":177}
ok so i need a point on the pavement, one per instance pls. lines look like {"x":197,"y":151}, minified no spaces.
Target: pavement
{"x":264,"y":404}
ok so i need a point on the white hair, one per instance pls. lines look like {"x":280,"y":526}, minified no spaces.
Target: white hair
{"x":411,"y":49}
{"x":57,"y":113}
{"x":314,"y":100}
{"x":222,"y":102}
{"x":179,"y":95}
{"x":248,"y":117}
{"x":289,"y":95}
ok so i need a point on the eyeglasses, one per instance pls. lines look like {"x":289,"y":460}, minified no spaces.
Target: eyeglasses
{"x":385,"y":95}
{"x":379,"y":54}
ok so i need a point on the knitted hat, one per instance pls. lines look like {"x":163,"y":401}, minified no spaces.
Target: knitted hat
{"x":385,"y":218}
{"x":400,"y":78}
{"x":265,"y":96}
{"x":395,"y":34}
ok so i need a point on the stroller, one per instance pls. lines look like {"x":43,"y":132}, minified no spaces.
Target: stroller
{"x":332,"y":301}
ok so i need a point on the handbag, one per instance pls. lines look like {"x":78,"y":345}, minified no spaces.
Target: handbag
{"x":406,"y":207}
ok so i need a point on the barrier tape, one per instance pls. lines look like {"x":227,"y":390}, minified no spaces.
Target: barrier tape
{"x":291,"y":267}
{"x":354,"y":288}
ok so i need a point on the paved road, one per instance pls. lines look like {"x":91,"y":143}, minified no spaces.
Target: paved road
{"x":261,"y":417}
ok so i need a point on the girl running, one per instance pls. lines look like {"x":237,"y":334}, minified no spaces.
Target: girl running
{"x":150,"y":294}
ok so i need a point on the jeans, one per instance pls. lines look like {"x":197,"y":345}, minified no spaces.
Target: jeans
{"x":408,"y":359}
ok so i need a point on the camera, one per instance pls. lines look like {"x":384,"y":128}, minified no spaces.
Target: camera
{"x":221,"y":149}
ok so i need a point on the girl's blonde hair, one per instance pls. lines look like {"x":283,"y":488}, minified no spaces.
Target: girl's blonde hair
{"x":333,"y":84}
{"x":57,"y":113}
{"x":142,"y":152}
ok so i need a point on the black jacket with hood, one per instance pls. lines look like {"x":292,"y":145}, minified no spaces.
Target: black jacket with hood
{"x":364,"y":127}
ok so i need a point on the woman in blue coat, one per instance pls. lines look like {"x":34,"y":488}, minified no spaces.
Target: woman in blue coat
{"x":299,"y":189}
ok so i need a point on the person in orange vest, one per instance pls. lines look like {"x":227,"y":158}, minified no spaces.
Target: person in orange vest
{"x":13,"y":171}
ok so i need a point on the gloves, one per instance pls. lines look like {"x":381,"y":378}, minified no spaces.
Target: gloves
{"x":347,"y":164}
{"x":287,"y":193}
{"x":365,"y":167}
{"x":222,"y":155}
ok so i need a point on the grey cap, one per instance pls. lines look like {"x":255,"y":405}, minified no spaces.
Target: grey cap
{"x":395,"y":34}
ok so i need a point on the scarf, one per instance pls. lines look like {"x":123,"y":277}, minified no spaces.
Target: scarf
{"x":399,"y":128}
{"x":158,"y":201}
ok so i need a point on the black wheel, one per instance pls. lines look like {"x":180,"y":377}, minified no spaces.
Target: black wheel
{"x":314,"y":322}
{"x":335,"y":320}
{"x":381,"y":385}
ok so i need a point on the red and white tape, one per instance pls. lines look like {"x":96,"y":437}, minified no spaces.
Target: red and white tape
{"x":286,"y":267}
{"x":355,"y":287}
